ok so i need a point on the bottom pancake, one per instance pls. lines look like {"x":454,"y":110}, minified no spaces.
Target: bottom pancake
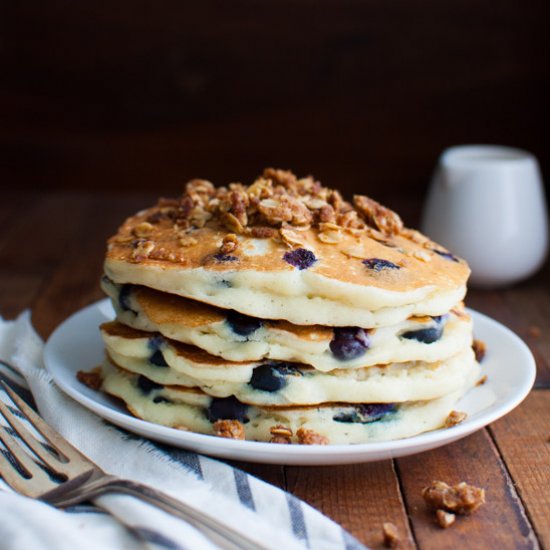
{"x":335,"y":423}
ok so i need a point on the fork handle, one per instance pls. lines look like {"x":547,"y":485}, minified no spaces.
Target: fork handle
{"x":223,"y":535}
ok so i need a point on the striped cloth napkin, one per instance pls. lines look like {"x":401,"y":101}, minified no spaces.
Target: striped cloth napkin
{"x":267,"y":514}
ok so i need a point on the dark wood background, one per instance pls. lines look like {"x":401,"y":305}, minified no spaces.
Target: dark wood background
{"x":125,"y":95}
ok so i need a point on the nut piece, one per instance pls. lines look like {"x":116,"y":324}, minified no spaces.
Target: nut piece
{"x":454,"y":418}
{"x":229,"y":243}
{"x":444,"y":519}
{"x":92,"y":379}
{"x":378,"y":216}
{"x":263,"y":232}
{"x":291,"y":238}
{"x":480,"y":350}
{"x":311,"y":437}
{"x":482,"y":380}
{"x":281,"y":434}
{"x":144,"y":229}
{"x":460,"y":499}
{"x":231,"y":429}
{"x":330,"y":233}
{"x":187,"y":240}
{"x":390,"y":534}
{"x":142,"y":249}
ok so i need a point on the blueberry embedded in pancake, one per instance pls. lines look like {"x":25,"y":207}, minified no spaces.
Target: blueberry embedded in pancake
{"x":349,"y":343}
{"x":378,"y":264}
{"x":300,"y":258}
{"x":243,"y":325}
{"x":427,"y":335}
{"x":364,"y":413}
{"x":272,"y":377}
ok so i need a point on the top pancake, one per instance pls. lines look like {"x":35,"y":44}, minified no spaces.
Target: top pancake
{"x":284,"y":248}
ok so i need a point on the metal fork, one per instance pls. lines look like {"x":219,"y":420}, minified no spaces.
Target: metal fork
{"x":63,"y":476}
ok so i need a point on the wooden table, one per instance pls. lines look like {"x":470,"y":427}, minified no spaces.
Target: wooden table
{"x":51,"y":249}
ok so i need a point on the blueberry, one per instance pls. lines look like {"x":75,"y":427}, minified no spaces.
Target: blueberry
{"x":243,"y":325}
{"x":225,"y":258}
{"x":124,"y":297}
{"x":227,"y":408}
{"x":300,"y":258}
{"x":377,"y":264}
{"x":425,"y":335}
{"x":349,"y":343}
{"x":146,"y":385}
{"x":271,"y":377}
{"x":154,"y":344}
{"x":365,"y":413}
{"x":157,"y":359}
{"x":446,"y":254}
{"x":161,"y":399}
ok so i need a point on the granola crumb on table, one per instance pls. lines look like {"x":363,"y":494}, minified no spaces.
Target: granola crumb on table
{"x":460,"y":499}
{"x":444,"y":519}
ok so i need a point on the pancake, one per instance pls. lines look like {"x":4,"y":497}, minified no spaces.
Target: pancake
{"x":279,"y":384}
{"x":335,"y":423}
{"x":240,"y":338}
{"x":287,"y":248}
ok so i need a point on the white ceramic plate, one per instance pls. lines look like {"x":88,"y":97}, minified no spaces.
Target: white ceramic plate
{"x":76,"y":345}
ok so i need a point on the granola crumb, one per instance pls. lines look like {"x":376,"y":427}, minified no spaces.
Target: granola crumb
{"x":480,"y":350}
{"x":482,"y":380}
{"x":229,"y":244}
{"x":230,"y":429}
{"x":142,"y":249}
{"x":187,"y":240}
{"x":181,"y":427}
{"x":459,"y":499}
{"x":263,"y":232}
{"x":144,"y":229}
{"x":311,"y":437}
{"x":280,"y":434}
{"x":92,"y":379}
{"x":444,"y":519}
{"x":390,"y":534}
{"x":378,"y":216}
{"x":454,"y":418}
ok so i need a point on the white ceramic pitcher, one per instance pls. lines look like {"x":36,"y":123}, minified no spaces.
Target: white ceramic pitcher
{"x":486,"y":204}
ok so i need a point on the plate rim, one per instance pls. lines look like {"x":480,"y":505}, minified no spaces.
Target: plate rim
{"x":258,"y":451}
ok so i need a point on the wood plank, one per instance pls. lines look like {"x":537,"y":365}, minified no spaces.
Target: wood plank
{"x":500,"y":523}
{"x":523,"y":439}
{"x":360,"y":497}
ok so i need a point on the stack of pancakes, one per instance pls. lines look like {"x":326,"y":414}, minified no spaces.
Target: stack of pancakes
{"x":279,"y":312}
